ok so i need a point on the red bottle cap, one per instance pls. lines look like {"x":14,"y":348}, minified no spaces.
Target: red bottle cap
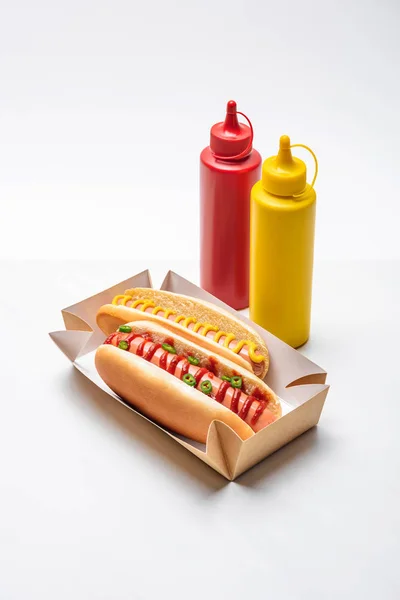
{"x":231,"y":139}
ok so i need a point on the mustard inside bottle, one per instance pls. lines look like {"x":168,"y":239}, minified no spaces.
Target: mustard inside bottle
{"x":282,"y":228}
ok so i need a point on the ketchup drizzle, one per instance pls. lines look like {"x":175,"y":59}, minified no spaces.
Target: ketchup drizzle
{"x":109,"y":339}
{"x":173,"y":364}
{"x":246,"y":407}
{"x":199,"y":374}
{"x":259,"y":411}
{"x":140,"y":348}
{"x":151,"y":351}
{"x":222,"y":391}
{"x":258,"y":394}
{"x":130,"y":339}
{"x":185,"y":368}
{"x":235,"y":400}
{"x":163,"y":360}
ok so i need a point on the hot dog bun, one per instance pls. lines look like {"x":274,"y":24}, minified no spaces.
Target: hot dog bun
{"x":111,"y":316}
{"x":166,"y":399}
{"x":162,"y":396}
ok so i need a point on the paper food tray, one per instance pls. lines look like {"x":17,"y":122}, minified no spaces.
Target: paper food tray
{"x":299,"y":383}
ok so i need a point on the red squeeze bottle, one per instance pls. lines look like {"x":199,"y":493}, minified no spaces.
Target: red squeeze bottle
{"x":229,"y":167}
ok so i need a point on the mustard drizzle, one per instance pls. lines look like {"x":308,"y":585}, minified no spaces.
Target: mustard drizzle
{"x":187,"y":321}
{"x":229,"y":338}
{"x":168,"y":312}
{"x":122,"y":299}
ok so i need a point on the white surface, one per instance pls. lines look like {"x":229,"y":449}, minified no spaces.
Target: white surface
{"x":97,"y":504}
{"x":106,"y":104}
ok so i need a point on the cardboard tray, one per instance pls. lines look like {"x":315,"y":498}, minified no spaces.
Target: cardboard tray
{"x":298,"y":382}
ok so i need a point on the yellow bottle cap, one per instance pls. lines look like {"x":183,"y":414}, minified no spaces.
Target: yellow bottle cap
{"x":284,"y":174}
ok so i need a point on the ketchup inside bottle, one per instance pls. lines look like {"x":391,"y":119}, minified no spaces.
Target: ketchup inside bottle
{"x":229,"y":167}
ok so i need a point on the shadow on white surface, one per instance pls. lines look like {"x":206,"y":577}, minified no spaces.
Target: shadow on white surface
{"x":151,"y":439}
{"x":287,"y":458}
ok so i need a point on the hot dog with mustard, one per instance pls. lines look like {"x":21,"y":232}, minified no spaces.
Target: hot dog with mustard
{"x":204,"y":324}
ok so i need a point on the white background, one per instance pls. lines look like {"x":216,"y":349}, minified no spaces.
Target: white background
{"x":105,"y":107}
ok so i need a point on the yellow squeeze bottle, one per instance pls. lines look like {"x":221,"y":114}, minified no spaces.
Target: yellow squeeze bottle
{"x":282,"y":223}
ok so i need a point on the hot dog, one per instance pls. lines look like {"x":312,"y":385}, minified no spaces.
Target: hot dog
{"x":204,"y":323}
{"x":181,"y":385}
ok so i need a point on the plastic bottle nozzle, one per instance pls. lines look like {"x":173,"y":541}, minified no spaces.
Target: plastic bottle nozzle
{"x":284,"y":142}
{"x":284,"y":158}
{"x":283,"y":175}
{"x":229,"y":139}
{"x":231,"y":123}
{"x":231,"y":107}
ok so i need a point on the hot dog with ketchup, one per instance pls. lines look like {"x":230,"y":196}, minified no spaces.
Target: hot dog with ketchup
{"x":181,"y":385}
{"x":204,"y":324}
